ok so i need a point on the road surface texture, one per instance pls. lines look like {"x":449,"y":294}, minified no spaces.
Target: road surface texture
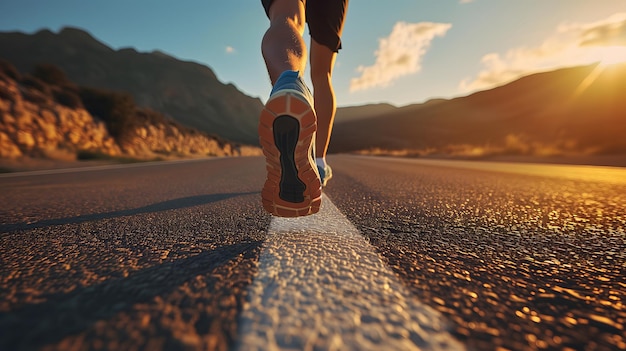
{"x":404,"y":254}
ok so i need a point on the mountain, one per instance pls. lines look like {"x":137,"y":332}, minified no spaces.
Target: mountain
{"x":577,"y":111}
{"x":352,"y":113}
{"x":571,"y":111}
{"x":45,"y":116}
{"x":188,"y":92}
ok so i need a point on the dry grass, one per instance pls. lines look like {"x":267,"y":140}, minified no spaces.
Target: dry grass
{"x":512,"y":145}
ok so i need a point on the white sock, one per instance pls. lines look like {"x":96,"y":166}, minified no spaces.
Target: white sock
{"x":321,"y":162}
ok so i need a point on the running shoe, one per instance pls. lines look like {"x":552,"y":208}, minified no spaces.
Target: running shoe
{"x":325,"y":173}
{"x":287,"y":129}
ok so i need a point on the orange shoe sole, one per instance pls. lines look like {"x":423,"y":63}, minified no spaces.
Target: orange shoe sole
{"x":287,"y":129}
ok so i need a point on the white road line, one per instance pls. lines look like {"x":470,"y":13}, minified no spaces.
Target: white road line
{"x":321,"y":285}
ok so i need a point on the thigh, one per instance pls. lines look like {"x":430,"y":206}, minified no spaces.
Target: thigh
{"x":268,"y":3}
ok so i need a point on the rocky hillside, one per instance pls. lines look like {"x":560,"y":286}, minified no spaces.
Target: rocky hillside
{"x":46,"y":115}
{"x":188,"y":92}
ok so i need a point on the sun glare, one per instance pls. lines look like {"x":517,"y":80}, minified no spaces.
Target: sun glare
{"x":612,"y":54}
{"x":606,"y":57}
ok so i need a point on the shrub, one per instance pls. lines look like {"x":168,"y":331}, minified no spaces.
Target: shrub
{"x":36,"y":84}
{"x":8,"y":70}
{"x":117,"y":110}
{"x":85,"y":155}
{"x":90,"y":155}
{"x":51,"y":74}
{"x":35,"y":97}
{"x":5,"y":93}
{"x":148,"y":116}
{"x":67,"y":98}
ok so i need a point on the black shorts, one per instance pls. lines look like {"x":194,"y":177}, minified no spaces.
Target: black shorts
{"x":325,"y":19}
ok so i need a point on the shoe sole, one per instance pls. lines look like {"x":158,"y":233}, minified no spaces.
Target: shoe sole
{"x":287,"y":129}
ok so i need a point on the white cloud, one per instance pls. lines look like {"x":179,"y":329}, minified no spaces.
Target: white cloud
{"x":465,"y":1}
{"x":399,"y":54}
{"x":230,"y":50}
{"x":569,"y":45}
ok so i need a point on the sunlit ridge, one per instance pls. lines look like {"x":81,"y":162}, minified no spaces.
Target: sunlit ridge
{"x":608,"y":56}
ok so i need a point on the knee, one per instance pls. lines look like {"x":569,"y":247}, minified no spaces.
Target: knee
{"x":287,"y":13}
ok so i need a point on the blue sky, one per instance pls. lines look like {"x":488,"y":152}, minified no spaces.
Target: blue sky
{"x":397,"y":51}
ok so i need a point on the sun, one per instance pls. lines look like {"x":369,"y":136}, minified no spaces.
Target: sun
{"x":610,"y":55}
{"x":608,"y":58}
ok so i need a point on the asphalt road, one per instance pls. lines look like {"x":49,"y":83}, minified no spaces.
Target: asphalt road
{"x":432,"y":254}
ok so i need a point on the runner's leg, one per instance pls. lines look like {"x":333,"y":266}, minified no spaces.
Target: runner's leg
{"x":322,"y":63}
{"x":282,"y":46}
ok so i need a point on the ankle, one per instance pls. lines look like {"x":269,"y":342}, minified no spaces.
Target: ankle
{"x":320,"y":161}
